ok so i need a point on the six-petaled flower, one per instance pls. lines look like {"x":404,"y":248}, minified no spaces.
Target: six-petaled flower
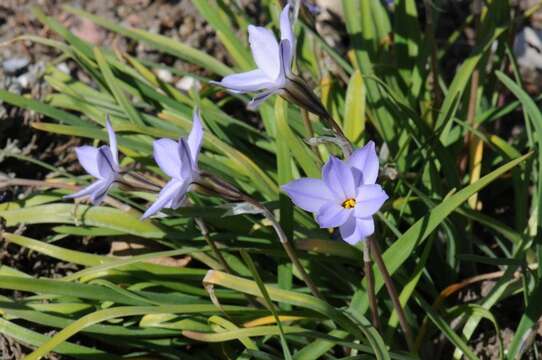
{"x":102,"y":163}
{"x":179,"y":160}
{"x":273,"y":59}
{"x":346,"y":197}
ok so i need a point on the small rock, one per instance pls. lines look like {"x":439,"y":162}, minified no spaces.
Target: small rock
{"x":164,"y":75}
{"x":187,"y":27}
{"x":384,"y":153}
{"x":24,"y":80}
{"x":527,"y":48}
{"x":14,"y":65}
{"x":64,"y":68}
{"x":89,"y":31}
{"x":15,"y":88}
{"x":133,"y":20}
{"x":187,"y":83}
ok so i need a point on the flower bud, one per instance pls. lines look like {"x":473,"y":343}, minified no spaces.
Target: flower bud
{"x":210,"y":184}
{"x":297,"y":92}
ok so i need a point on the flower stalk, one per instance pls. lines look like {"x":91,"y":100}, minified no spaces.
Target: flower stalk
{"x":290,"y":251}
{"x":368,"y":270}
{"x":392,"y":291}
{"x":205,"y":232}
{"x":297,"y":92}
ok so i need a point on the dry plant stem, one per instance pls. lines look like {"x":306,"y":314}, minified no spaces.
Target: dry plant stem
{"x":392,"y":291}
{"x":367,"y":268}
{"x":133,"y":179}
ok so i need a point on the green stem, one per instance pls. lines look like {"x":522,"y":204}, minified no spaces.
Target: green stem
{"x":205,"y":232}
{"x":290,"y":251}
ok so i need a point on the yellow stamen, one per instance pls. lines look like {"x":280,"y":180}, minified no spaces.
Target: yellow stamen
{"x":349,"y":203}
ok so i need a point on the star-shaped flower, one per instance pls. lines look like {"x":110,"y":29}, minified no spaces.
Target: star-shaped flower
{"x":347,"y":197}
{"x":274,"y":61}
{"x":179,"y":160}
{"x":102,"y":163}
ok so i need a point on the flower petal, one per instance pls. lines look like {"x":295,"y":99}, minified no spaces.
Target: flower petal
{"x":97,"y":196}
{"x":260,"y":98}
{"x":355,"y":230}
{"x":112,"y":143}
{"x":166,"y":155}
{"x":332,"y":215}
{"x":249,"y":81}
{"x":167,"y":194}
{"x":106,"y":163}
{"x":369,"y":200}
{"x":92,"y":188}
{"x":309,"y":194}
{"x":265,"y":50}
{"x":285,"y":59}
{"x":187,"y":166}
{"x":339,"y":179}
{"x":286,"y":32}
{"x":88,"y":158}
{"x":195,"y":138}
{"x":177,"y":201}
{"x":365,"y":160}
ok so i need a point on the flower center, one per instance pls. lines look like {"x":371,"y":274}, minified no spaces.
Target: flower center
{"x":349,"y":203}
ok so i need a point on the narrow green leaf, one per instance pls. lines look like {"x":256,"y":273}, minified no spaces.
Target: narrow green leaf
{"x":354,"y":108}
{"x":116,"y":89}
{"x":160,"y":42}
{"x":106,"y":217}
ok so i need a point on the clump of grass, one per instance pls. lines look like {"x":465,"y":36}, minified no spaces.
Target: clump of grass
{"x":239,"y":295}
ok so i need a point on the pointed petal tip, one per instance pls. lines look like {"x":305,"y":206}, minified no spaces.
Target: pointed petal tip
{"x":112,"y":142}
{"x":286,"y":26}
{"x":107,"y":121}
{"x":287,"y":187}
{"x":144,"y":217}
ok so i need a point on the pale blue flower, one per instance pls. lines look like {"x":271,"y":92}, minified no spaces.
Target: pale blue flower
{"x":274,"y":61}
{"x":347,"y":197}
{"x":102,"y":163}
{"x":179,"y":160}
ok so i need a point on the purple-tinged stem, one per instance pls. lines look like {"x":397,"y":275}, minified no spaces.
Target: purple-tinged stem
{"x":392,"y":291}
{"x":367,"y":266}
{"x":290,"y":251}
